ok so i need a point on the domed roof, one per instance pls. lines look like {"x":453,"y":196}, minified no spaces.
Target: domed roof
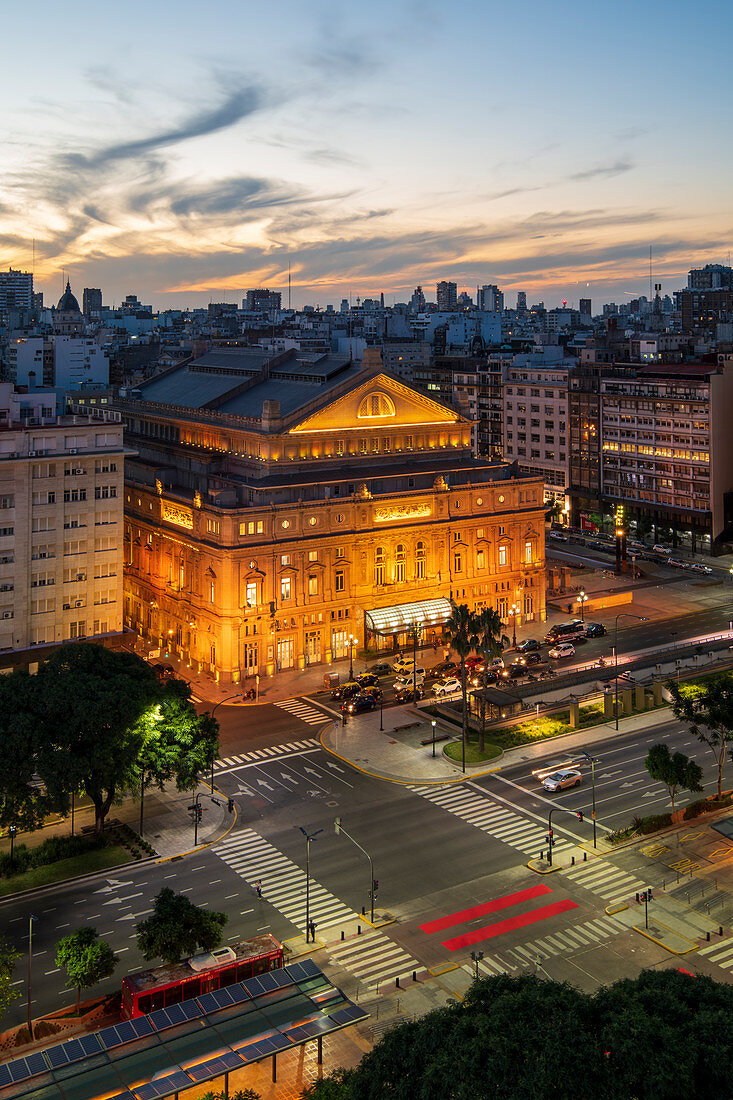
{"x":67,"y":301}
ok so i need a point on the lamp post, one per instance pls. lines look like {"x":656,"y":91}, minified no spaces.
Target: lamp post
{"x":308,"y":838}
{"x":621,"y":615}
{"x":381,"y":710}
{"x":352,"y":641}
{"x":514,"y":611}
{"x":477,"y":956}
{"x":12,"y":830}
{"x":31,"y":918}
{"x":592,"y":760}
{"x":338,"y":827}
{"x":433,"y":725}
{"x":582,"y":600}
{"x":415,"y":630}
{"x":213,"y":712}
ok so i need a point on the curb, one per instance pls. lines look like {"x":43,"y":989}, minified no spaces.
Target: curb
{"x":660,"y":943}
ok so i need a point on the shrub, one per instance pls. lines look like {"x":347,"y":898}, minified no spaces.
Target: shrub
{"x":696,"y":808}
{"x":654,"y":822}
{"x":51,"y":850}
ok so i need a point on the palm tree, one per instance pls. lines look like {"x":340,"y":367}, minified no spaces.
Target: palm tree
{"x":490,"y":643}
{"x":461,"y":631}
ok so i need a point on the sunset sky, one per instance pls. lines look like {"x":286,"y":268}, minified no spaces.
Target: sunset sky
{"x":186,"y":151}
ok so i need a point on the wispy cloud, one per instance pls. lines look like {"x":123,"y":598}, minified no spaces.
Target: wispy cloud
{"x":603,"y":171}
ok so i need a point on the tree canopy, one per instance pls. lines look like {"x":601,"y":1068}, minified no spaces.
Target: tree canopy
{"x":107,"y":726}
{"x":674,"y":770}
{"x":8,"y":959}
{"x":708,"y":711}
{"x":86,"y":959}
{"x":23,"y":803}
{"x":177,"y":928}
{"x":658,"y":1037}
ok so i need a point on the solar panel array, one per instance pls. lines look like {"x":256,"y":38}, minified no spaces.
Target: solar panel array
{"x":95,"y":1045}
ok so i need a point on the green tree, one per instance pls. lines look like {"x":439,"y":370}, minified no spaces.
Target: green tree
{"x":86,"y":959}
{"x":8,"y":959}
{"x":177,"y":928}
{"x":92,"y":700}
{"x":709,"y":714}
{"x":675,"y":771}
{"x":461,"y":631}
{"x":490,"y":642}
{"x":176,"y":742}
{"x":22,"y":803}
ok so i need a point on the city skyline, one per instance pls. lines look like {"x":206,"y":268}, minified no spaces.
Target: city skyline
{"x":188,"y":160}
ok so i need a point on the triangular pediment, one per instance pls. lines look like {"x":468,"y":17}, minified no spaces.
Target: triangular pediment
{"x":380,"y":402}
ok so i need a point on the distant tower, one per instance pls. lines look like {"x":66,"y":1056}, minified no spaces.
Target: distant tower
{"x":447,"y":296}
{"x":585,"y":307}
{"x":521,"y":301}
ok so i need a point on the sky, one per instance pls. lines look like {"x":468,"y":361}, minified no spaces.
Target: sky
{"x":186,"y":152}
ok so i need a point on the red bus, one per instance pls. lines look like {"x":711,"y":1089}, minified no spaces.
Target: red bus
{"x":170,"y":984}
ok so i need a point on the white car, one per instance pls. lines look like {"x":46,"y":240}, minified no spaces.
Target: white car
{"x":562,"y":649}
{"x":447,"y":687}
{"x":659,"y":549}
{"x":558,"y":781}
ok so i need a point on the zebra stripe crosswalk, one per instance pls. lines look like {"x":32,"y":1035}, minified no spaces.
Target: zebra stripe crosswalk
{"x":569,"y":941}
{"x":257,"y":755}
{"x":493,"y":818}
{"x":719,"y":953}
{"x":373,"y":958}
{"x":304,"y":711}
{"x":605,"y":880}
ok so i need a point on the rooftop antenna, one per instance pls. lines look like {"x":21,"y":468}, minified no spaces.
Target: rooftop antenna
{"x":650,"y":273}
{"x":288,"y":284}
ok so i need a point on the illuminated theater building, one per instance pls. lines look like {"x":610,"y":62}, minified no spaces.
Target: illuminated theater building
{"x":278,"y":506}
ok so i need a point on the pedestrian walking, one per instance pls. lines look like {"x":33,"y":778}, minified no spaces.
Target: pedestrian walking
{"x":258,"y":888}
{"x":312,"y":930}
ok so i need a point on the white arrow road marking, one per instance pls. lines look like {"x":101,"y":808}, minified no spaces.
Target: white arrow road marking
{"x":335,"y":767}
{"x":262,"y":783}
{"x":311,"y":771}
{"x":288,"y":778}
{"x":112,"y":885}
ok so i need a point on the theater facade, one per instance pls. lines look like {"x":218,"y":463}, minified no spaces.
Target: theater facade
{"x":281,"y":512}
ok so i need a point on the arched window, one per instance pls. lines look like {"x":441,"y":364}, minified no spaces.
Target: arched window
{"x":376,"y":404}
{"x":379,"y":565}
{"x":399,"y":568}
{"x":420,"y":561}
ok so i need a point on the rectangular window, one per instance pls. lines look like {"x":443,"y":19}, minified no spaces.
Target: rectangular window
{"x":340,"y":447}
{"x":339,"y":580}
{"x":503,"y":556}
{"x":212,"y":592}
{"x":375,"y":446}
{"x":362,"y":446}
{"x":312,"y":555}
{"x":285,"y":588}
{"x":104,"y":492}
{"x":408,"y":442}
{"x":74,"y":495}
{"x":313,"y":586}
{"x":285,"y":559}
{"x":8,"y":502}
{"x":251,"y":593}
{"x":339,"y":552}
{"x":528,"y":553}
{"x":457,"y":562}
{"x":212,"y":526}
{"x":479,"y":559}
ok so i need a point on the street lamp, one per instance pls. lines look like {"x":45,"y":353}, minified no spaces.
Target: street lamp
{"x":415,"y":630}
{"x":308,"y":838}
{"x":477,"y":956}
{"x":31,"y":918}
{"x":592,"y":760}
{"x":433,"y":725}
{"x":12,"y":830}
{"x":582,"y":600}
{"x":352,"y":641}
{"x":621,"y":615}
{"x":213,"y":712}
{"x":339,"y":829}
{"x":514,"y":611}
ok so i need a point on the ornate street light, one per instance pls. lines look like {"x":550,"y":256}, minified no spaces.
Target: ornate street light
{"x":514,"y":611}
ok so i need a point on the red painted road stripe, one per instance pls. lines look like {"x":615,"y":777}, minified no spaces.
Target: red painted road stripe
{"x":509,"y":925}
{"x":487,"y":907}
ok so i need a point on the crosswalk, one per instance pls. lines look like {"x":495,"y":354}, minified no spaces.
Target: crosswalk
{"x":569,"y":941}
{"x":258,"y":755}
{"x":493,"y":818}
{"x":372,"y":957}
{"x":719,"y":953}
{"x":605,"y":880}
{"x":304,"y":711}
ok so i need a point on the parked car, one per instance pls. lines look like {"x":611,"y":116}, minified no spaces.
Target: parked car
{"x":443,"y":667}
{"x":403,"y":664}
{"x":558,"y":781}
{"x":381,"y":669}
{"x":346,"y":691}
{"x":360,"y":703}
{"x":496,"y":662}
{"x":514,"y":672}
{"x":164,"y":672}
{"x":595,"y":630}
{"x":447,"y":687}
{"x":407,"y":695}
{"x":479,"y":676}
{"x":677,"y":564}
{"x":659,"y":549}
{"x":471,"y":662}
{"x":700,"y":568}
{"x":557,"y":535}
{"x":562,"y":650}
{"x":533,"y":658}
{"x":528,"y":645}
{"x":367,"y":679}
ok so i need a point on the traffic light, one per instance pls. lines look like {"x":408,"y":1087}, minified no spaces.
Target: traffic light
{"x":579,"y":815}
{"x":200,"y":811}
{"x":230,"y":805}
{"x":375,"y":884}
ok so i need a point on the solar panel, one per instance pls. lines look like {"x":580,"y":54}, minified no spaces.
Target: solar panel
{"x":115,"y":1036}
{"x":268,"y":982}
{"x":141,"y":1025}
{"x":89,"y":1044}
{"x":296,"y":971}
{"x":281,"y":978}
{"x":239,"y":993}
{"x":348,"y":1014}
{"x":37,"y":1063}
{"x":167,"y":1017}
{"x":310,"y":969}
{"x":211,"y":1002}
{"x":57,"y":1057}
{"x":253,"y":986}
{"x":5,"y":1077}
{"x":163,"y":1086}
{"x":19,"y":1070}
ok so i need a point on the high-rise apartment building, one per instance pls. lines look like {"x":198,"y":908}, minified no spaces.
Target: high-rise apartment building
{"x":91,"y":301}
{"x":585,"y":307}
{"x":262,"y":299}
{"x":710,"y":277}
{"x":521,"y":301}
{"x":447,"y":296}
{"x":61,"y":502}
{"x":16,"y":289}
{"x":536,"y":420}
{"x":417,"y":302}
{"x":490,"y":299}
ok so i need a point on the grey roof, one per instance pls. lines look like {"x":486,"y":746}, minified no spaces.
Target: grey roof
{"x":190,"y":389}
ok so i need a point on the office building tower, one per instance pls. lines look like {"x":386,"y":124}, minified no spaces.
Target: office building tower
{"x":521,"y":301}
{"x":490,"y":299}
{"x":710,"y":277}
{"x":447,"y":296}
{"x":585,"y":307}
{"x":262,"y":299}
